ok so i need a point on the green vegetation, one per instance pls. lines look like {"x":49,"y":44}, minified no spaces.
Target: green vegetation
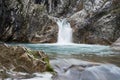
{"x":45,"y":59}
{"x":49,"y":68}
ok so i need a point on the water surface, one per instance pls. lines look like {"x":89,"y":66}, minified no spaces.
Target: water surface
{"x":69,"y":48}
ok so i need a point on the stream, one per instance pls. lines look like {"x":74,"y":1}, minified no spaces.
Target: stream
{"x":75,"y":61}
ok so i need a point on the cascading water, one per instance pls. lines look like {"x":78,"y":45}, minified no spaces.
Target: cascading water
{"x":65,"y":31}
{"x":103,"y":72}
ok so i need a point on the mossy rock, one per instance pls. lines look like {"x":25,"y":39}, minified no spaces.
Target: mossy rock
{"x":41,"y":55}
{"x":24,"y":60}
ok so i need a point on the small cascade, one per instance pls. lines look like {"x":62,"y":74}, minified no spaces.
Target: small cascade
{"x":65,"y":31}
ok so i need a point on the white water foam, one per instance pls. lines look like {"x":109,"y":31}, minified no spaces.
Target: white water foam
{"x":43,"y":76}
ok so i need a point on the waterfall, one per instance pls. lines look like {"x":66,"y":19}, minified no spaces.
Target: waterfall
{"x":65,"y":31}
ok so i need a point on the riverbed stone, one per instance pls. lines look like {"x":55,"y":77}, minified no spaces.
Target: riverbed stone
{"x":116,"y":45}
{"x":70,"y":69}
{"x":74,"y":69}
{"x":21,"y":59}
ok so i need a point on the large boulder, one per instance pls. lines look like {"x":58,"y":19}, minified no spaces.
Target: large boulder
{"x":23,"y":60}
{"x":73,"y":69}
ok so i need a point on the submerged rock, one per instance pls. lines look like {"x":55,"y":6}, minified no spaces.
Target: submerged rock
{"x":73,"y":69}
{"x":23,"y":60}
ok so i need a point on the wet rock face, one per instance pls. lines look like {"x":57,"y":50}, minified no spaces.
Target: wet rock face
{"x":45,"y":31}
{"x":97,"y":22}
{"x":14,"y":18}
{"x":22,"y":60}
{"x":22,"y":21}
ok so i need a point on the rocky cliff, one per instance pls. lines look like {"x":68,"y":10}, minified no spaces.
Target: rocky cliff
{"x":25,"y":21}
{"x":93,"y":21}
{"x":98,"y":22}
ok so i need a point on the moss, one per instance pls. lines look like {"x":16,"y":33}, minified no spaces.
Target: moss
{"x":46,"y":60}
{"x":48,"y":68}
{"x":31,"y":54}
